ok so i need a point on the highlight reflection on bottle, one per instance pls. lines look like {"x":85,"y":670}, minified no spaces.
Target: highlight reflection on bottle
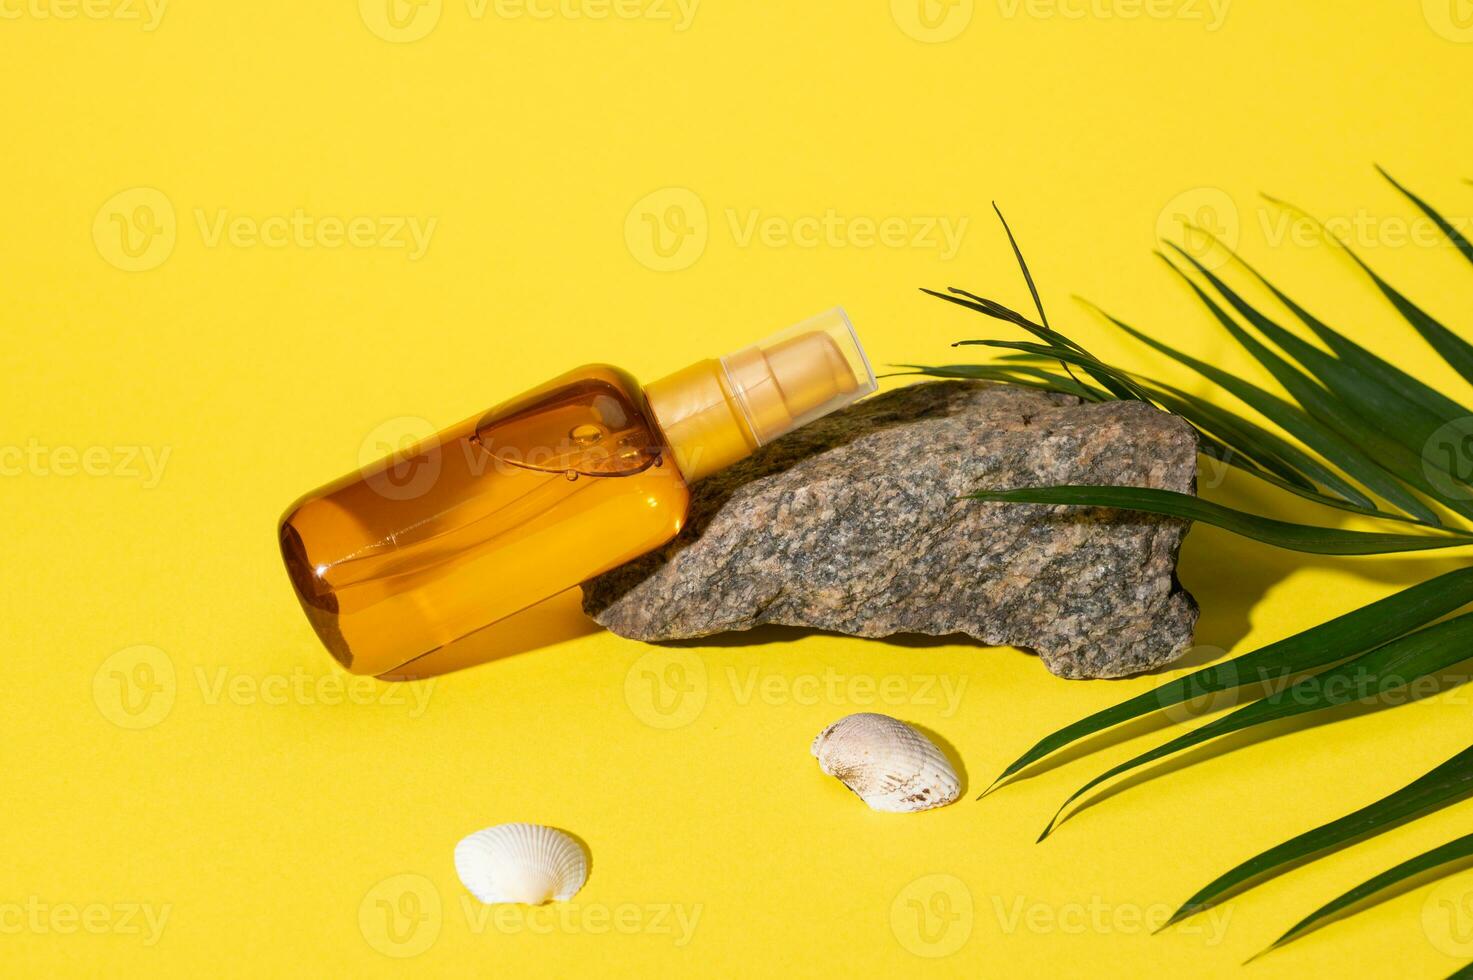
{"x":546,"y":491}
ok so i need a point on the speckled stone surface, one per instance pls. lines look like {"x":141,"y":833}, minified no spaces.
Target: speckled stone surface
{"x":852,"y":524}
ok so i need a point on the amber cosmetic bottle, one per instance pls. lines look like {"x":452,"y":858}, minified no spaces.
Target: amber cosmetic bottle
{"x":558,"y":485}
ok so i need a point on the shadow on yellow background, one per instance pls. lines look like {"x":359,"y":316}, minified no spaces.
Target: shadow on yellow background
{"x":548,"y":623}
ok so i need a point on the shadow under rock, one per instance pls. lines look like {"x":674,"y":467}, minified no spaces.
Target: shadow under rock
{"x":771,"y":634}
{"x":1229,"y":574}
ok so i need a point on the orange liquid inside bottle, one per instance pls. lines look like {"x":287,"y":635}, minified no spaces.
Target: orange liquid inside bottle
{"x":542,"y":493}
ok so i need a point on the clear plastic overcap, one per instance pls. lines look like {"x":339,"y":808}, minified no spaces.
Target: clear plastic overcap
{"x":798,"y":375}
{"x":720,"y":410}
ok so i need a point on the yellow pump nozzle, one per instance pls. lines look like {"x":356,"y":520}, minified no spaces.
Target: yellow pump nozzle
{"x":718,"y":411}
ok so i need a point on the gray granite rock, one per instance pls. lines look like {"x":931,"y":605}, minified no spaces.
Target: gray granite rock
{"x":853,"y":524}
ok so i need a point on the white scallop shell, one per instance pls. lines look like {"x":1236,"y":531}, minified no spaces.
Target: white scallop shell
{"x":887,"y":763}
{"x":521,"y":862}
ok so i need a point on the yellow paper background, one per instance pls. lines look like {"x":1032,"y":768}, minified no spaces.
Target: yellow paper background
{"x":272,"y":813}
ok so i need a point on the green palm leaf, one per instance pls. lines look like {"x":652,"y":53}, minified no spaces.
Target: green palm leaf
{"x":1291,"y":419}
{"x":1232,"y":439}
{"x":1366,"y":426}
{"x":1281,"y":534}
{"x":1053,"y":339}
{"x":1251,"y":442}
{"x":1255,"y":442}
{"x":1454,"y":349}
{"x":1223,"y":436}
{"x":1438,"y":857}
{"x":1345,"y":428}
{"x":1391,"y":379}
{"x":1025,"y":375}
{"x":1446,"y":784}
{"x":1065,"y":356}
{"x":1342,"y":637}
{"x":1442,"y":223}
{"x":1384,"y":669}
{"x":1394,"y":429}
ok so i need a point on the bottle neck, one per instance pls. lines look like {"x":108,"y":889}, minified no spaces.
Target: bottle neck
{"x":719,"y":411}
{"x":702,"y":419}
